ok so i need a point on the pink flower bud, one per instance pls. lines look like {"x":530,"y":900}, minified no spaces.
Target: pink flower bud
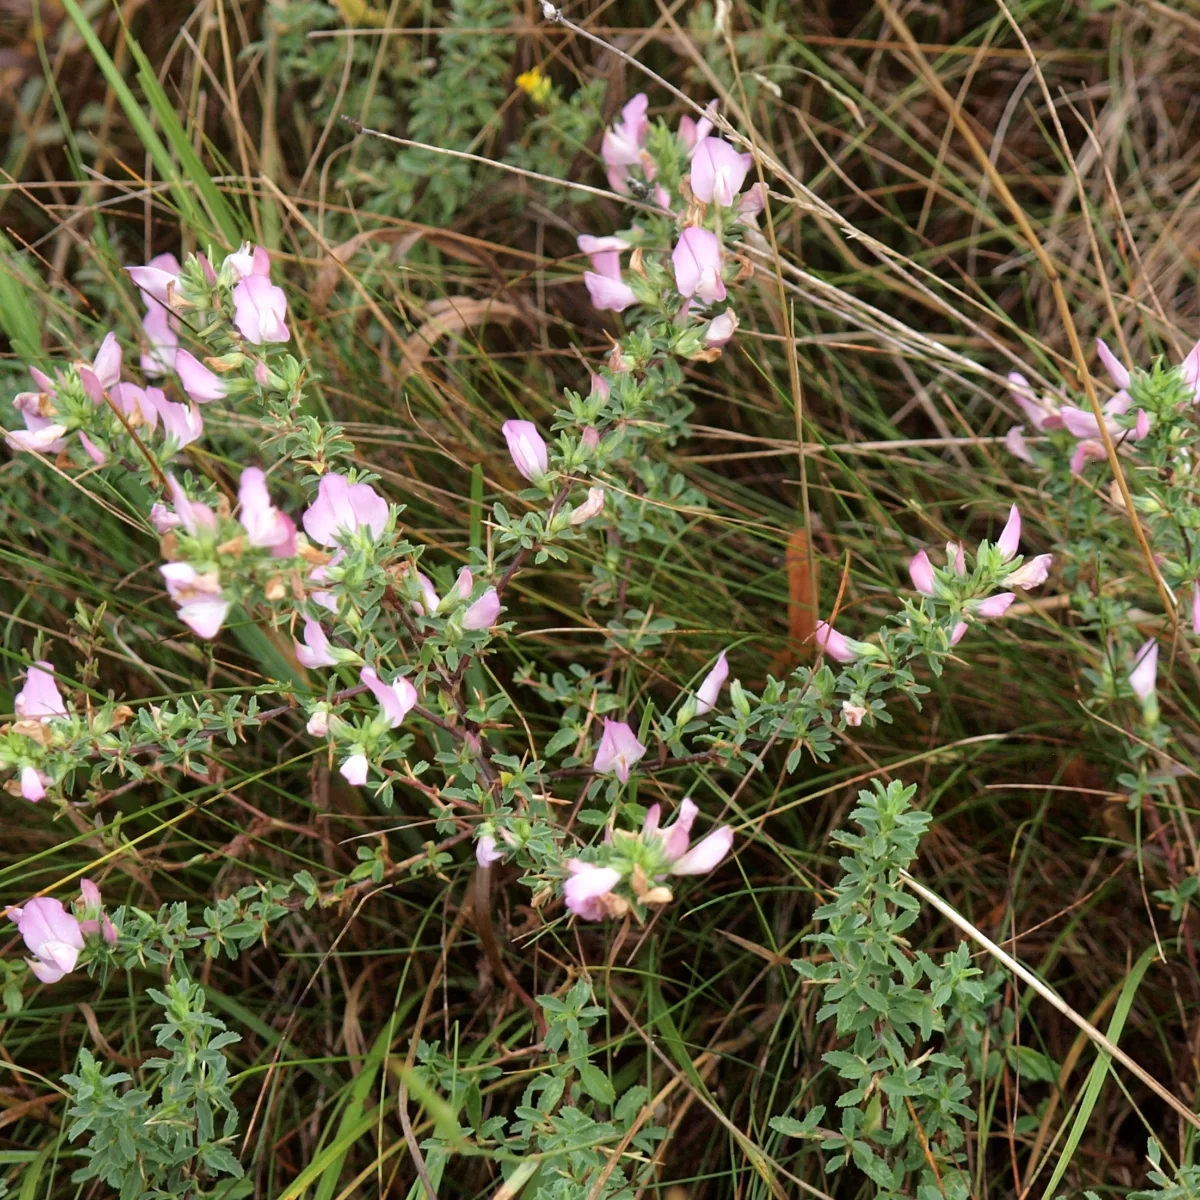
{"x":710,"y":689}
{"x":44,"y":439}
{"x":590,"y":437}
{"x":1010,"y":536}
{"x":920,"y":570}
{"x":1112,"y":364}
{"x":264,"y":524}
{"x":721,"y":329}
{"x":1144,"y":676}
{"x":33,"y":784}
{"x":619,"y":750}
{"x":527,"y":448}
{"x":486,"y":852}
{"x":1141,"y":428}
{"x":830,"y":642}
{"x":993,"y":606}
{"x":958,"y":632}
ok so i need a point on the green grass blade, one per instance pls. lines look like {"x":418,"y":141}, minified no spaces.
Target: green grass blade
{"x":1099,"y":1071}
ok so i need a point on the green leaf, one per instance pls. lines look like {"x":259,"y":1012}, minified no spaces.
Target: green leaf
{"x":596,"y":1083}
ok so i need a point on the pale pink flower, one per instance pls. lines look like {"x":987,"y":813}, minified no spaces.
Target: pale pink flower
{"x":1144,"y":676}
{"x":318,"y":724}
{"x":676,"y":836}
{"x":89,"y":893}
{"x":1043,"y":412}
{"x":483,"y":613}
{"x":608,"y":295}
{"x":853,"y":714}
{"x":430,"y":602}
{"x":158,"y":279}
{"x":51,"y":934}
{"x":1014,"y":440}
{"x":92,"y":450}
{"x":1189,"y":369}
{"x":993,"y":606}
{"x":752,"y":201}
{"x":162,"y":339}
{"x":591,"y":507}
{"x":692,"y":132}
{"x":248,"y":260}
{"x":201,"y":606}
{"x":135,"y":404}
{"x":264,"y":524}
{"x":709,"y":690}
{"x":585,"y":890}
{"x":958,"y":632}
{"x":39,"y":699}
{"x":341,"y":507}
{"x":313,"y":652}
{"x":354,"y":770}
{"x":619,"y":750}
{"x":182,"y":422}
{"x":486,"y":852}
{"x":920,"y":570}
{"x":956,"y":558}
{"x":721,"y":329}
{"x":622,"y":145}
{"x":603,"y":251}
{"x":46,"y":438}
{"x":162,"y":518}
{"x":460,"y":593}
{"x":201,"y":384}
{"x":718,"y":171}
{"x":193,"y":515}
{"x":260,"y":310}
{"x":396,"y":699}
{"x":33,"y":784}
{"x":1085,"y":452}
{"x":706,"y":854}
{"x":527,"y":448}
{"x":104,"y":371}
{"x":697,"y":262}
{"x":1030,"y":574}
{"x":830,"y":642}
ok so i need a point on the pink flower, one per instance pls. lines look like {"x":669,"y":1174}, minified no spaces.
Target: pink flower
{"x":721,"y":329}
{"x":527,"y":449}
{"x":706,"y":854}
{"x":354,"y":770}
{"x":1189,"y":369}
{"x":605,"y":253}
{"x":622,"y":144}
{"x":135,"y":404}
{"x":676,"y":836}
{"x":260,"y":310}
{"x":830,"y":642}
{"x":993,"y":606}
{"x":718,"y":171}
{"x":33,"y":784}
{"x":958,"y":632}
{"x":587,"y":887}
{"x":248,"y":260}
{"x":1085,"y":452}
{"x":1014,"y":440}
{"x":608,"y":295}
{"x":430,"y":602}
{"x":486,"y":852}
{"x":38,"y":441}
{"x":201,"y":384}
{"x":162,"y":337}
{"x":920,"y":570}
{"x":104,"y":371}
{"x":162,"y":518}
{"x":39,"y":699}
{"x":52,"y":936}
{"x":193,"y":515}
{"x":202,"y":608}
{"x":619,"y":750}
{"x":396,"y":699}
{"x":1117,"y":370}
{"x":1144,"y":676}
{"x":89,"y":893}
{"x":314,"y":651}
{"x":697,"y":261}
{"x":92,"y":450}
{"x":753,"y":200}
{"x":853,"y":714}
{"x":341,"y":507}
{"x":710,"y":688}
{"x":591,"y":507}
{"x":1043,"y":412}
{"x":157,"y":282}
{"x":182,"y":422}
{"x":318,"y":723}
{"x":483,"y":613}
{"x":1031,"y":574}
{"x":264,"y":524}
{"x":691,"y":132}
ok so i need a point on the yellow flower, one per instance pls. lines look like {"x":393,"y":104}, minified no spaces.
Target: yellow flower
{"x":535,"y":85}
